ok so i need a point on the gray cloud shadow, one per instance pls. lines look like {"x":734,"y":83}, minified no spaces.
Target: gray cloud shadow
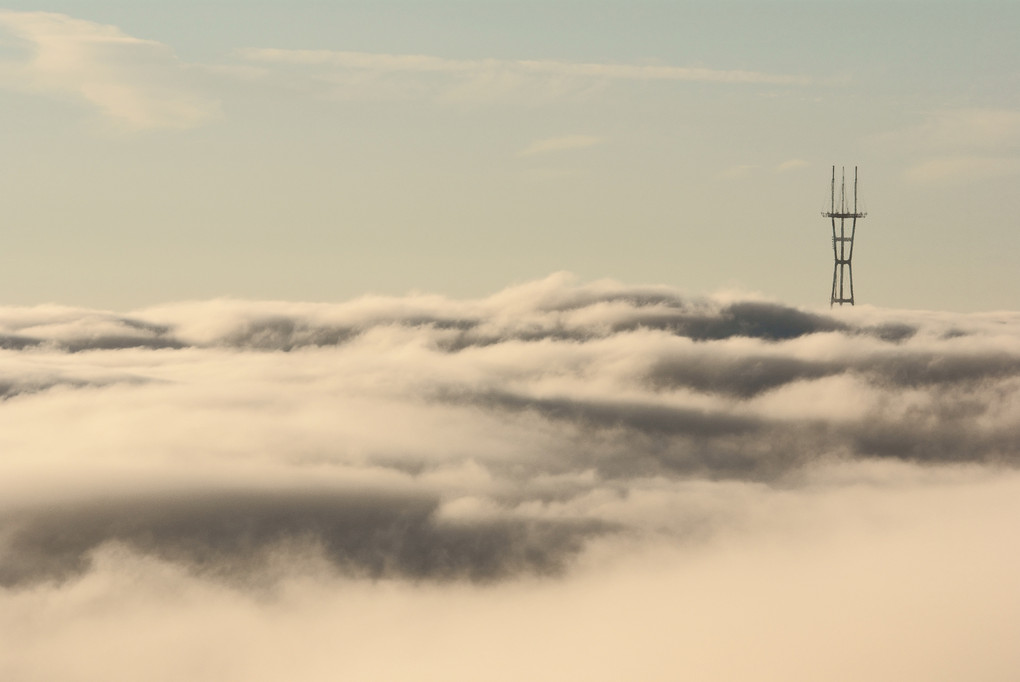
{"x":229,"y":535}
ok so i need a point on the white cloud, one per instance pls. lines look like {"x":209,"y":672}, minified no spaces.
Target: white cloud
{"x":555,"y":144}
{"x":743,"y":170}
{"x":356,"y":73}
{"x":790,"y":165}
{"x":882,"y":579}
{"x":224,"y":489}
{"x":138,"y":83}
{"x":738,"y":171}
{"x":371,"y":61}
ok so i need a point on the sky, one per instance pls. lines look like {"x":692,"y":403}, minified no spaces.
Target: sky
{"x":491,"y":341}
{"x":303,"y":150}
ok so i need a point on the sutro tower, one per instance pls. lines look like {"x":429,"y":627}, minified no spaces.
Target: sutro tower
{"x":842,"y":245}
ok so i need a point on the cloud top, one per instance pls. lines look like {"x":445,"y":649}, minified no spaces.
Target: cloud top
{"x":587,"y":387}
{"x":556,"y":458}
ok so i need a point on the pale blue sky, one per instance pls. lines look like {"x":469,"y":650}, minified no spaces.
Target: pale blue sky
{"x":156,"y":151}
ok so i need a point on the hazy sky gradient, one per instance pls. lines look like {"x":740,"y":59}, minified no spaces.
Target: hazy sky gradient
{"x":159,"y":151}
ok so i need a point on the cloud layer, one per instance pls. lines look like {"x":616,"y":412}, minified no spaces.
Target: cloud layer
{"x":603,"y":460}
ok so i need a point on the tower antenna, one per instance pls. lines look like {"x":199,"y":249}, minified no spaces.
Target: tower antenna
{"x":842,"y":245}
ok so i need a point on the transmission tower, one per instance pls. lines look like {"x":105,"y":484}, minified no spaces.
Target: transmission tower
{"x":842,"y":245}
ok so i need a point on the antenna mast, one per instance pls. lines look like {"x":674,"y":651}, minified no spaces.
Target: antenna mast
{"x":842,"y":245}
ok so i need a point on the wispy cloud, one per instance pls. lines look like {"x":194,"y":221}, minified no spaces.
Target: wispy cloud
{"x":738,"y":171}
{"x":968,"y":131}
{"x":792,"y":164}
{"x":956,"y":146}
{"x":556,"y":144}
{"x":477,"y":79}
{"x":962,"y":169}
{"x":745,"y":169}
{"x":370,"y":61}
{"x":138,"y":83}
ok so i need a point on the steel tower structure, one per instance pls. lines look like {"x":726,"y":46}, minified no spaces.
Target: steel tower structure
{"x":842,"y":245}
